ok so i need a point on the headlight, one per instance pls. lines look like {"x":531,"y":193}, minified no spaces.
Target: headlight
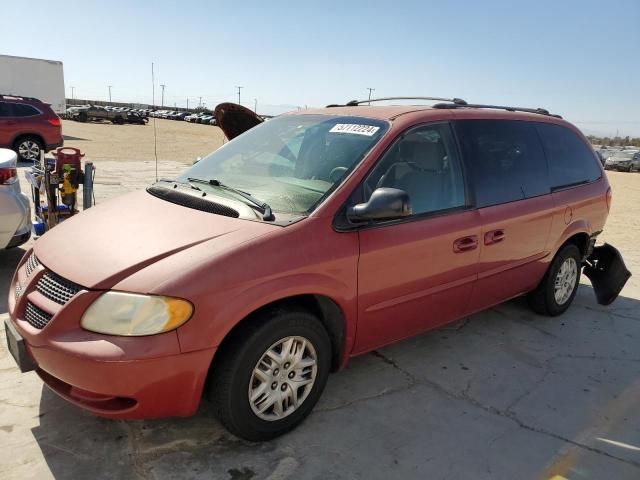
{"x":131,"y":314}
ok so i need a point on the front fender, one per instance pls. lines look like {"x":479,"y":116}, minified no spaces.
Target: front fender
{"x":230,"y":309}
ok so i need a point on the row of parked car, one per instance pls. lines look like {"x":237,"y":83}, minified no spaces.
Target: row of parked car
{"x":205,"y":118}
{"x":625,"y":159}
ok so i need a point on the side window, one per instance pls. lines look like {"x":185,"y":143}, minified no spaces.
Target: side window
{"x":5,"y":109}
{"x":506,"y":160}
{"x":571,"y":161}
{"x":22,"y":110}
{"x":423,"y":163}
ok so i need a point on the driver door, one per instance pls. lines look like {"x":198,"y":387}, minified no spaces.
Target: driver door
{"x":417,"y":273}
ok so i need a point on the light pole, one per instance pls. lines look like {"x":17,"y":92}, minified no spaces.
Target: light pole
{"x":187,"y":103}
{"x":370,"y":90}
{"x":255,"y":105}
{"x":72,"y":93}
{"x":239,"y":94}
{"x":163,"y":86}
{"x":109,"y":93}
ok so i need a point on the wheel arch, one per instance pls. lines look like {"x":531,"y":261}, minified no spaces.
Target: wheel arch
{"x":21,"y":135}
{"x":323,"y":307}
{"x":577,"y":233}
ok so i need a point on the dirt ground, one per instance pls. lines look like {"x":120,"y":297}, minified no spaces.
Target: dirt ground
{"x":176,"y":140}
{"x":503,"y":394}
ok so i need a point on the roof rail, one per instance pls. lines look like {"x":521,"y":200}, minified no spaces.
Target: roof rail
{"x":19,"y":97}
{"x":539,"y":111}
{"x":355,"y":103}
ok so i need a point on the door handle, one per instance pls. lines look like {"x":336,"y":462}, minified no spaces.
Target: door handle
{"x":465,"y":244}
{"x":494,"y":236}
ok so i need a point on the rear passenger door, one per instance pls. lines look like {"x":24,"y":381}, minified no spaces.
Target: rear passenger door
{"x":511,"y":189}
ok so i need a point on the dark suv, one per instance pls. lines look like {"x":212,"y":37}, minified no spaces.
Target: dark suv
{"x":28,"y":126}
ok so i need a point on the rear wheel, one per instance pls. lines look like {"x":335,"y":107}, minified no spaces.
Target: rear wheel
{"x":559,"y":286}
{"x":270,"y":374}
{"x":28,"y":148}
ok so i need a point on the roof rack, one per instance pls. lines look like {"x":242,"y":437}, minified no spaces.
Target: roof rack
{"x":355,"y":103}
{"x":19,"y":97}
{"x":539,"y":111}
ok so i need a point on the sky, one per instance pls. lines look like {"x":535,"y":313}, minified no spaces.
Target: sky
{"x":580,"y":59}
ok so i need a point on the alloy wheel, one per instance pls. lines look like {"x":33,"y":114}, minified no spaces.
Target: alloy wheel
{"x":29,"y":150}
{"x":565,"y":281}
{"x":283,"y":378}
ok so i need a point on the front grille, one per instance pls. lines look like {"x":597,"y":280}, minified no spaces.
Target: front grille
{"x":36,"y":317}
{"x":56,"y":288}
{"x":31,"y":264}
{"x":18,"y":290}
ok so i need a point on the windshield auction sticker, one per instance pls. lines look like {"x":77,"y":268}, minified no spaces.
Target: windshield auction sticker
{"x":355,"y":129}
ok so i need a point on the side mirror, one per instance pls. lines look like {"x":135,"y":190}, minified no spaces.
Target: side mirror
{"x":384,"y":204}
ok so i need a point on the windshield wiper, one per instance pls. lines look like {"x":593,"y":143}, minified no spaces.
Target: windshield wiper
{"x":180,"y":182}
{"x":263,"y":207}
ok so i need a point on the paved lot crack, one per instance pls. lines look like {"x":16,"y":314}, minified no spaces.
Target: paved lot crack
{"x":465,"y":397}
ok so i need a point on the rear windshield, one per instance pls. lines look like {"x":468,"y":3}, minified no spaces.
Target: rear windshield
{"x":291,"y":162}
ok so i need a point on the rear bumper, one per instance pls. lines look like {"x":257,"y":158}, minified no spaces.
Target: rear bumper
{"x":15,"y":216}
{"x":19,"y":239}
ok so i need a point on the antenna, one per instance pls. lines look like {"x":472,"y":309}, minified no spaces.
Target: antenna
{"x":153,"y":102}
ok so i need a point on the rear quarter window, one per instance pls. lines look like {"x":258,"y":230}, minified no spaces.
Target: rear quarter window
{"x":506,"y":160}
{"x":22,"y":110}
{"x":571,"y":161}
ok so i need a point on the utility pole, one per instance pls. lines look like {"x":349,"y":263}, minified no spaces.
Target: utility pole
{"x":370,"y":90}
{"x":200,"y":102}
{"x":109,"y":93}
{"x":187,"y":103}
{"x":255,"y":105}
{"x":72,"y":93}
{"x":163,"y":86}
{"x":239,"y":94}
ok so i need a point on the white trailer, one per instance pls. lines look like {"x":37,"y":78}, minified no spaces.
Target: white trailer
{"x":33,"y":77}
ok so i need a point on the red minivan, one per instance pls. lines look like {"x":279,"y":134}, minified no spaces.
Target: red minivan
{"x":308,"y":239}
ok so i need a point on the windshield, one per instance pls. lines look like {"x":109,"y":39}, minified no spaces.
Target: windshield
{"x":291,"y":162}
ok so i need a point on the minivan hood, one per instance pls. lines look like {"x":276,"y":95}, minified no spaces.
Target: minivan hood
{"x":103,"y":245}
{"x":235,"y":119}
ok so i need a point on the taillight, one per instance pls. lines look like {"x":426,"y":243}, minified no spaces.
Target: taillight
{"x":608,"y":198}
{"x":55,"y":121}
{"x":7,"y":175}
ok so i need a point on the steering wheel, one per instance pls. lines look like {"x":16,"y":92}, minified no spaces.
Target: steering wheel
{"x":336,"y":174}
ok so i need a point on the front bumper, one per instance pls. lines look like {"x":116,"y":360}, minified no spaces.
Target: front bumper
{"x":111,"y":376}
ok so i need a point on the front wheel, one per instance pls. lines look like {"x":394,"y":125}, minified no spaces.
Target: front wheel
{"x":559,"y":286}
{"x":269,"y":376}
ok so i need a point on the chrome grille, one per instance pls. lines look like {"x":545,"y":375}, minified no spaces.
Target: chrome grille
{"x":18,"y":290}
{"x":31,"y":264}
{"x":56,"y":288}
{"x":36,"y":317}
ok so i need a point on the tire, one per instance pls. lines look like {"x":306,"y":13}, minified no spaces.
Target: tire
{"x":544,"y":299}
{"x":234,"y":374}
{"x":83,"y":117}
{"x":28,"y":148}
